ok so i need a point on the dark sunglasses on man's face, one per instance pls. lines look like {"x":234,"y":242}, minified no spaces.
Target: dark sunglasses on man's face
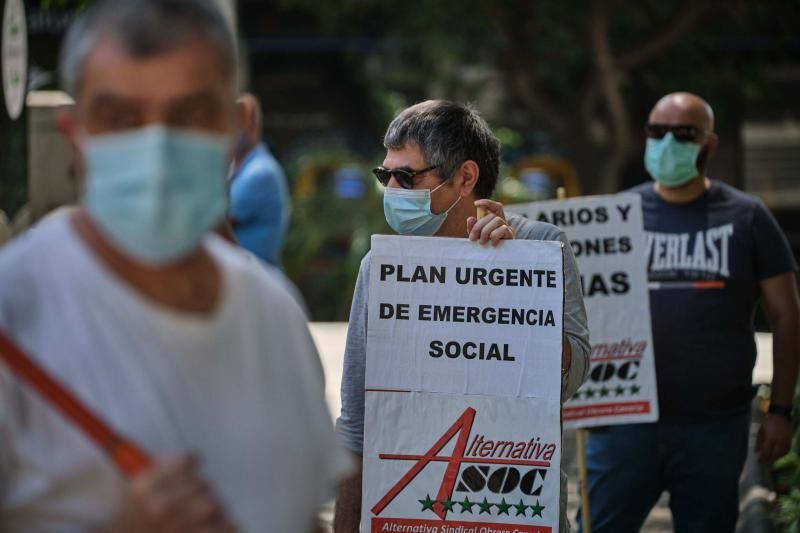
{"x":404,"y":177}
{"x":682,"y":133}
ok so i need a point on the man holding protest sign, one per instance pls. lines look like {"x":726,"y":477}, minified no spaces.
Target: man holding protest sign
{"x":171,"y":335}
{"x":441,"y":166}
{"x":712,"y":251}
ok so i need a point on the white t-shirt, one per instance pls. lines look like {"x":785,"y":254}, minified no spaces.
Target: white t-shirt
{"x":242,"y":388}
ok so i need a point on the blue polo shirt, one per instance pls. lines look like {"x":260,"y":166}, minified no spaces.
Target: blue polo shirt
{"x":260,"y":205}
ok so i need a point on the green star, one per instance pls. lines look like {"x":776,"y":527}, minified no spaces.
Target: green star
{"x":620,"y":390}
{"x":537,"y":509}
{"x":604,"y":392}
{"x":576,"y":396}
{"x":486,"y":507}
{"x":589,"y":393}
{"x":448,"y":504}
{"x":466,"y":505}
{"x":502,"y":507}
{"x":635,"y":389}
{"x":521,"y":508}
{"x":427,"y":503}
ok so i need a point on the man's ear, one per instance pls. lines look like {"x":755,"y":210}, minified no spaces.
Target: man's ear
{"x":65,"y":120}
{"x":242,"y":113}
{"x":712,"y":143}
{"x":66,"y":124}
{"x":707,"y":151}
{"x":469,"y":173}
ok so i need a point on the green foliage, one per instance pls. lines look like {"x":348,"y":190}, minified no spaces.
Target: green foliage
{"x":423,"y":47}
{"x":426,"y":48}
{"x":329,"y":234}
{"x":49,"y":4}
{"x":789,"y":511}
{"x":788,"y":469}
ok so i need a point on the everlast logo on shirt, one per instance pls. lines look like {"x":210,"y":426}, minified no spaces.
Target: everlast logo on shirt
{"x":704,"y":251}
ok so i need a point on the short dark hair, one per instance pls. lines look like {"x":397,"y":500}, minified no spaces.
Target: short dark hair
{"x":448,"y":133}
{"x":145,"y":28}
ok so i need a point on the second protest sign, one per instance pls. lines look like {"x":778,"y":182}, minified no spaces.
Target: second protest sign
{"x":606,"y":235}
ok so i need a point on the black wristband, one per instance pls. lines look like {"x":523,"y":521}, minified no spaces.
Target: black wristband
{"x":782,"y":410}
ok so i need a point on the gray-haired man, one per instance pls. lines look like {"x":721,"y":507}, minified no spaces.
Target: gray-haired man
{"x":445,"y":153}
{"x":171,"y":334}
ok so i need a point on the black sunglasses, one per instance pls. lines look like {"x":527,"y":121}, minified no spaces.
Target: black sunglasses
{"x":404,"y":177}
{"x":682,"y":132}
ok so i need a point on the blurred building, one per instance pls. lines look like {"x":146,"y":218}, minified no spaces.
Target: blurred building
{"x":772,"y":170}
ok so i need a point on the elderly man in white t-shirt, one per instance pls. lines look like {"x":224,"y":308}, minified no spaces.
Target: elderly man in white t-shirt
{"x":180,"y":341}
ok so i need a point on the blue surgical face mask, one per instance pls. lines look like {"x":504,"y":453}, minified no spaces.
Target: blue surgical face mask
{"x":670,"y":162}
{"x":408,"y":211}
{"x":156,"y":192}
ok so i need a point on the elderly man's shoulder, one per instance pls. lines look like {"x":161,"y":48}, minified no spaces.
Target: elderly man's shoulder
{"x":31,"y":260}
{"x":259,"y":277}
{"x":534,"y":230}
{"x":40,"y":244}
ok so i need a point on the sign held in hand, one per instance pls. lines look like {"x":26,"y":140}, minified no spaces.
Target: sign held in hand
{"x":462,"y":425}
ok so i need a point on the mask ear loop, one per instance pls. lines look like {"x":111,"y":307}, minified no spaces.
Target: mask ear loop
{"x":454,"y":203}
{"x":438,"y":187}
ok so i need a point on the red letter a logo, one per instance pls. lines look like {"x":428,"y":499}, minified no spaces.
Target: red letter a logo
{"x":462,"y":426}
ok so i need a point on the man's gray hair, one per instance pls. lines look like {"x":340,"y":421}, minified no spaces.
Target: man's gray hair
{"x":145,"y":28}
{"x":447,"y":134}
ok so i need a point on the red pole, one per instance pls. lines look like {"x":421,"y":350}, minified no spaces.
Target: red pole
{"x":129,"y":458}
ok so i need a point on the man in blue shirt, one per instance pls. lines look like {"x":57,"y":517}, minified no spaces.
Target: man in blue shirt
{"x":259,"y":203}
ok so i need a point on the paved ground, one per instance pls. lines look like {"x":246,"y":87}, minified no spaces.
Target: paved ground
{"x":330,"y":340}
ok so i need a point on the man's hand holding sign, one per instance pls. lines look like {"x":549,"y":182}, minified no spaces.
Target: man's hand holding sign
{"x":489,"y":224}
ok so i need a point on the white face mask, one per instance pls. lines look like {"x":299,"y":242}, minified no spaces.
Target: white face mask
{"x":156,"y":192}
{"x":408,"y":211}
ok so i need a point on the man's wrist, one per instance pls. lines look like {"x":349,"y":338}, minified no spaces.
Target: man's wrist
{"x":781,"y":410}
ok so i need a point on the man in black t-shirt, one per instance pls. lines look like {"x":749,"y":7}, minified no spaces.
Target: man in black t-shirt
{"x":712,"y":252}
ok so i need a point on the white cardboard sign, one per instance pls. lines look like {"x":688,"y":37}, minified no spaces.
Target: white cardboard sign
{"x":438,"y":462}
{"x":606,"y":234}
{"x":462,"y":424}
{"x":449,"y":315}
